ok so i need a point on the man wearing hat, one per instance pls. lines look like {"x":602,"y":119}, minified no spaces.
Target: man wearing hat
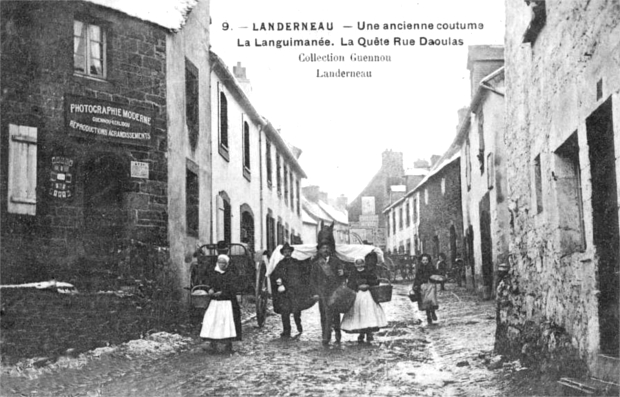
{"x":328,"y":273}
{"x":291,"y":290}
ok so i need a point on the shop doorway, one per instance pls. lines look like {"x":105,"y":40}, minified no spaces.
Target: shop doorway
{"x":105,"y":217}
{"x":600,"y":135}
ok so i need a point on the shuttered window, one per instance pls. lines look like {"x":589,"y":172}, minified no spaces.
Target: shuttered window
{"x":22,"y":189}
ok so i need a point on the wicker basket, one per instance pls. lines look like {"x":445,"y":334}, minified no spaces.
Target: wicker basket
{"x":382,"y":292}
{"x":200,"y":300}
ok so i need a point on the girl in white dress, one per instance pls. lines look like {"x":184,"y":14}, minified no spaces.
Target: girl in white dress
{"x":366,"y":316}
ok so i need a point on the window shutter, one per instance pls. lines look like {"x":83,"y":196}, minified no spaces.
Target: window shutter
{"x":220,"y":218}
{"x":22,"y":189}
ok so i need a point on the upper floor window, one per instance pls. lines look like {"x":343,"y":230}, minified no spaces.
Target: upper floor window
{"x":89,"y":48}
{"x":246,"y":149}
{"x":297,"y":196}
{"x":408,"y":211}
{"x":443,"y":186}
{"x":191,"y":103}
{"x":268,"y":161}
{"x":223,"y":147}
{"x":278,"y":175}
{"x":538,"y":190}
{"x":400,"y":218}
{"x":285,"y":170}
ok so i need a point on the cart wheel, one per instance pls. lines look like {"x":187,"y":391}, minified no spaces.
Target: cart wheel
{"x":261,"y":295}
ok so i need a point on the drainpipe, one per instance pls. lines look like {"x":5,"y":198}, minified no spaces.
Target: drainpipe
{"x":260,"y":175}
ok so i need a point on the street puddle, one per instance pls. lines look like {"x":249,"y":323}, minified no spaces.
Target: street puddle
{"x":424,"y":376}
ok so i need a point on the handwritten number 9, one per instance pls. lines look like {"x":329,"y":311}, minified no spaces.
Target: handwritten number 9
{"x":225,"y":26}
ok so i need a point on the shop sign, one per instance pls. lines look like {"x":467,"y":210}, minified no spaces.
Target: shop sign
{"x":61,"y":183}
{"x":139,"y":169}
{"x":108,"y":121}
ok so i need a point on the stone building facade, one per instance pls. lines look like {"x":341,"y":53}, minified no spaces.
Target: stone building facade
{"x":559,"y":298}
{"x":256,"y":185}
{"x":83,"y":138}
{"x":428,"y":219}
{"x":483,"y":169}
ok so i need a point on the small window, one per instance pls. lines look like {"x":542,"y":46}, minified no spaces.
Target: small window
{"x":443,"y":186}
{"x":400,"y":218}
{"x":191,"y":103}
{"x":89,"y":49}
{"x":22,"y":177}
{"x":388,"y":225}
{"x":192,"y":203}
{"x":426,"y":196}
{"x":292,"y":190}
{"x":415,"y":210}
{"x":538,"y":185}
{"x":394,"y":222}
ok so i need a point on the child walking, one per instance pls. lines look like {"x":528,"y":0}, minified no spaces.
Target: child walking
{"x":366,"y":316}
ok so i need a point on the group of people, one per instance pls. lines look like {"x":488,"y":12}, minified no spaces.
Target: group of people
{"x":298,"y":285}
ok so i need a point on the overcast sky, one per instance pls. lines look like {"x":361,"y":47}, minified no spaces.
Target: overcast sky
{"x":344,"y":124}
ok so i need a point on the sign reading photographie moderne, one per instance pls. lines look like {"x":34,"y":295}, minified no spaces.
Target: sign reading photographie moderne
{"x":108,"y":121}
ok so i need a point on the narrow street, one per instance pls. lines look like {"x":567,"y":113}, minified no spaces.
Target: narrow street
{"x":407,"y":358}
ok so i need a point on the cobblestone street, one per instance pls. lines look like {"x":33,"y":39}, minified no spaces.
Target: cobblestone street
{"x":407,"y":358}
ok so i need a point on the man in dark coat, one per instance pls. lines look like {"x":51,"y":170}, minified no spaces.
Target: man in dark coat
{"x":290,"y":283}
{"x":327,"y":274}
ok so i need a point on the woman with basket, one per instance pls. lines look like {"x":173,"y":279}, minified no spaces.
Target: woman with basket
{"x":425,"y":288}
{"x":366,"y":316}
{"x":222,"y":319}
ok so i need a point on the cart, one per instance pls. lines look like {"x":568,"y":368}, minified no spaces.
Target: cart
{"x":250,"y":273}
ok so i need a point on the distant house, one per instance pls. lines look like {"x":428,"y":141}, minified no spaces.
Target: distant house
{"x":365,"y":211}
{"x":428,"y":218}
{"x":317,"y":206}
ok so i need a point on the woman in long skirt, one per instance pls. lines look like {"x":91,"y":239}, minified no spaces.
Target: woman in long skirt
{"x":366,"y":316}
{"x":222,"y":319}
{"x":427,"y":290}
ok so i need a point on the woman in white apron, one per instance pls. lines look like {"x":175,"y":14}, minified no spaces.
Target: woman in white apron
{"x":366,"y":316}
{"x":222,"y":319}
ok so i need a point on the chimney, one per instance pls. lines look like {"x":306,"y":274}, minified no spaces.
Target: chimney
{"x":311,"y":193}
{"x":482,"y":60}
{"x":392,"y":163}
{"x":243,"y":81}
{"x":423,"y":164}
{"x":342,"y":201}
{"x":323,"y":197}
{"x":296,"y":151}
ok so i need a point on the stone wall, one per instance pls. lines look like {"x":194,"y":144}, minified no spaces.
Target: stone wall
{"x":442,"y":211}
{"x":37,"y":75}
{"x":551,"y":90}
